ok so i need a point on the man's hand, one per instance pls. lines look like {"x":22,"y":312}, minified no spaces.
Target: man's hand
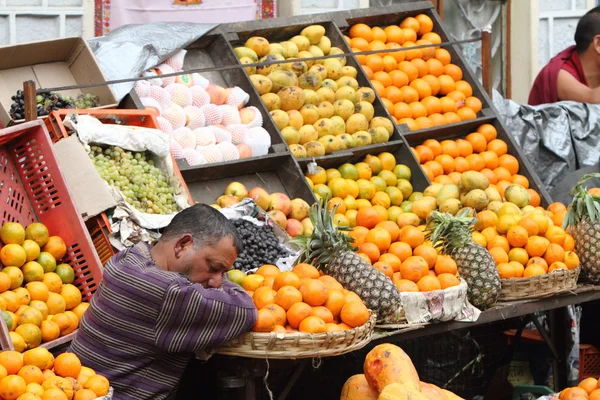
{"x":570,"y":89}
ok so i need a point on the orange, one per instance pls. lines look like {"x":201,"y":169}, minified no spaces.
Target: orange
{"x":383,"y":78}
{"x":278,"y":312}
{"x":428,"y":253}
{"x":432,"y":105}
{"x":464,"y":147}
{"x":556,"y":234}
{"x":435,"y":67}
{"x":286,"y":279}
{"x":434,"y":145}
{"x":517,"y":236}
{"x":569,"y":244}
{"x":413,"y":53}
{"x":421,"y":67}
{"x":506,"y":270}
{"x":312,"y":324}
{"x":465,"y":88}
{"x":445,"y":265}
{"x":394,"y":34}
{"x":391,"y":260}
{"x":450,"y":148}
{"x":432,"y":37}
{"x":409,"y":69}
{"x":425,"y":24}
{"x":414,"y":268}
{"x":447,"y":84}
{"x":13,"y":233}
{"x":557,"y":265}
{"x":476,"y":162}
{"x":457,"y":96}
{"x":399,"y":78}
{"x":97,"y":384}
{"x":3,"y":372}
{"x":268,"y":270}
{"x":287,"y":296}
{"x":397,"y":55}
{"x":488,"y":130}
{"x":402,"y":250}
{"x":375,"y":62}
{"x":538,"y":261}
{"x":13,"y":255}
{"x":446,"y":162}
{"x":588,"y":384}
{"x":575,"y":393}
{"x":11,"y":387}
{"x":429,"y":283}
{"x":502,"y":174}
{"x":466,"y":114}
{"x":306,"y":271}
{"x":55,"y":246}
{"x":362,"y":31}
{"x":50,"y":331}
{"x":412,"y":236}
{"x":520,"y":180}
{"x":417,"y":110}
{"x":453,"y":71}
{"x":518,"y":254}
{"x":498,"y":146}
{"x":423,"y":123}
{"x":263,"y":296}
{"x":371,"y":250}
{"x":402,"y":110}
{"x":571,"y":260}
{"x":314,"y":292}
{"x":84,"y":394}
{"x":554,"y":208}
{"x":404,"y":285}
{"x":297,"y":313}
{"x":71,"y":294}
{"x":506,"y":160}
{"x":536,"y":246}
{"x":358,"y":233}
{"x":31,"y":374}
{"x":323,"y":313}
{"x":433,"y":83}
{"x":409,"y":95}
{"x":594,"y":395}
{"x":331,"y":283}
{"x":533,"y":270}
{"x":448,"y":105}
{"x":265,"y":321}
{"x":391,"y":227}
{"x":554,"y":253}
{"x":335,"y":302}
{"x":489,"y":174}
{"x":12,"y":361}
{"x":354,"y":314}
{"x":499,"y":255}
{"x":448,"y":280}
{"x":478,"y":141}
{"x":558,"y":218}
{"x":474,"y":104}
{"x":368,"y":217}
{"x":498,"y":241}
{"x":377,"y":45}
{"x":442,"y":54}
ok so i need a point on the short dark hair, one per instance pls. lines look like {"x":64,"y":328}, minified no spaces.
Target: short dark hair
{"x":206,"y":225}
{"x":587,"y":27}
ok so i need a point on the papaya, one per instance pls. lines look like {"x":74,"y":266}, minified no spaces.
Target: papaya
{"x":387,"y":364}
{"x":398,"y":391}
{"x":357,"y":388}
{"x":432,"y":392}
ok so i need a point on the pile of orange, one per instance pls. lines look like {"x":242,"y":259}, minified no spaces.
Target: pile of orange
{"x":481,"y":151}
{"x":36,"y":375}
{"x":420,"y":87}
{"x":588,"y":389}
{"x":404,"y":256}
{"x":526,"y":242}
{"x":302,"y":300}
{"x":38,"y":301}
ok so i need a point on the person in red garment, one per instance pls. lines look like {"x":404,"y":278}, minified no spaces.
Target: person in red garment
{"x":574,"y":73}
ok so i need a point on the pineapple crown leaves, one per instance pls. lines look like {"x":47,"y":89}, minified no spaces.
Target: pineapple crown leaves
{"x":450,"y":232}
{"x":326,"y":239}
{"x":584,"y":204}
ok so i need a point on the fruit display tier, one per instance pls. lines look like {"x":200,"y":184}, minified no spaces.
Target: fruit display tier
{"x":512,"y":148}
{"x":99,"y":227}
{"x":275,"y":173}
{"x":215,"y":51}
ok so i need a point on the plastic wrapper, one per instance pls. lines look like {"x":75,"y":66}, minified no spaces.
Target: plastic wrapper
{"x":130,"y":50}
{"x":91,"y":131}
{"x":557,"y":138}
{"x":248,"y":210}
{"x":436,"y":305}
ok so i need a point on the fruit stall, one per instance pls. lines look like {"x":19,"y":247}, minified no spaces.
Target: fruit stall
{"x":377,"y":193}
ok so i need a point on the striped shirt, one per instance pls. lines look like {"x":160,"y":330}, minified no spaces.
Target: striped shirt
{"x":144,"y":323}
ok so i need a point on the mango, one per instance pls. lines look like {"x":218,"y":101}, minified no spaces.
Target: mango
{"x":260,"y":45}
{"x":313,"y":33}
{"x":298,"y":151}
{"x":281,"y":78}
{"x":292,"y":98}
{"x":242,"y":51}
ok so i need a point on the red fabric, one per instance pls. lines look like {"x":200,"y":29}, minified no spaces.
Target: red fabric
{"x":544,"y":88}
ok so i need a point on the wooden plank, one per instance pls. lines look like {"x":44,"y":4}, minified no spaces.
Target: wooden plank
{"x":29,"y":94}
{"x":501,"y":312}
{"x":486,"y":61}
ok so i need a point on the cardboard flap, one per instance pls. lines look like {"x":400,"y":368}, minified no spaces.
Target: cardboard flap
{"x":90,"y":192}
{"x":56,"y":74}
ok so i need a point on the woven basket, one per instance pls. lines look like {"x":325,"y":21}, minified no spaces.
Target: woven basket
{"x":298,"y":344}
{"x":538,"y":286}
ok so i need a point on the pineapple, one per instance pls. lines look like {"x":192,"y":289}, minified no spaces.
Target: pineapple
{"x":582,"y":219}
{"x":475,"y":264}
{"x":330,"y":249}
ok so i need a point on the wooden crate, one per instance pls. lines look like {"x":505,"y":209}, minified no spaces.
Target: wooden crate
{"x":454,"y":132}
{"x":284,"y":31}
{"x":273,"y":172}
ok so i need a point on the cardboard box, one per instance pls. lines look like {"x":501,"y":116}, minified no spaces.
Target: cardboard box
{"x":51,"y":63}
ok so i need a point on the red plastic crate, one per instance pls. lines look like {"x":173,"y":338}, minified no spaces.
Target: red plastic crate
{"x":589,"y":361}
{"x":32,"y":189}
{"x":98,"y":227}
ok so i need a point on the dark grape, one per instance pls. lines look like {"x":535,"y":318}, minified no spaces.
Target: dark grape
{"x":261,"y":245}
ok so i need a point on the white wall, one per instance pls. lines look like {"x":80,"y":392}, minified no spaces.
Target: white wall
{"x":300,"y":7}
{"x":30,"y":20}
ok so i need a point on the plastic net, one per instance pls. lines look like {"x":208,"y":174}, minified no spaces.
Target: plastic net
{"x":229,"y":151}
{"x":155,"y":81}
{"x":237,"y":97}
{"x":199,"y":80}
{"x":176,"y":60}
{"x":231,"y":115}
{"x":211,"y":153}
{"x":194,"y":117}
{"x":251,"y":116}
{"x":175,"y":148}
{"x":149,"y":102}
{"x":239,"y":133}
{"x":161,"y":95}
{"x":193,"y":157}
{"x":175,"y":115}
{"x":166,"y":69}
{"x":259,"y":140}
{"x":164,"y":125}
{"x":204,"y":136}
{"x":212,"y":114}
{"x":142,"y":88}
{"x":200,"y":97}
{"x":185,"y":138}
{"x":221,"y":135}
{"x":180,"y":94}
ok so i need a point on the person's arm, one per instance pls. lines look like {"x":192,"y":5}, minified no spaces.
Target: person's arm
{"x":569,"y":88}
{"x":194,"y":318}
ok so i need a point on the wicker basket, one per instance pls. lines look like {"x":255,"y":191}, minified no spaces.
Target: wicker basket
{"x":538,"y":286}
{"x":298,"y":344}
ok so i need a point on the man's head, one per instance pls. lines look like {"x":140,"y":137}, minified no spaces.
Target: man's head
{"x":200,"y":243}
{"x":587,"y":34}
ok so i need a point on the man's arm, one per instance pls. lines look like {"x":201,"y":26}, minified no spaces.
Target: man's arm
{"x":194,"y":318}
{"x":569,"y":88}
